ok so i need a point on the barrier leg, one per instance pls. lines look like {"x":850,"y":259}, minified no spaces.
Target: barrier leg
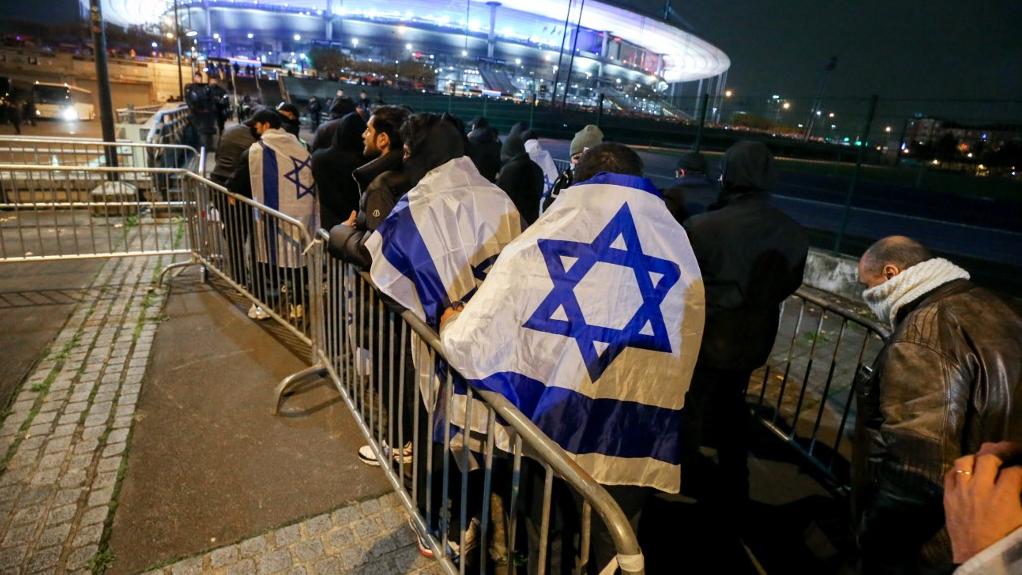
{"x":159,"y":280}
{"x":317,"y":371}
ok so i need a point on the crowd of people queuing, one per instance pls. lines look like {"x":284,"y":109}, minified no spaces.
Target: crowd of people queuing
{"x":935,"y":487}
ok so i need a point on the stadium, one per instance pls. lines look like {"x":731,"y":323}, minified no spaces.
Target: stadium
{"x":571,"y":50}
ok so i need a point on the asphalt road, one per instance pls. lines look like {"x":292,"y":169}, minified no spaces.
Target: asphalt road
{"x":974,"y":228}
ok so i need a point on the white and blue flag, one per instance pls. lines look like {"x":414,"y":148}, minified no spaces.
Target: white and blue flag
{"x":590,"y":323}
{"x":441,"y":238}
{"x":280,"y":169}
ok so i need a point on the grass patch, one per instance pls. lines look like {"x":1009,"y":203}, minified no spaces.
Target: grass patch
{"x":101,"y":561}
{"x":131,"y":222}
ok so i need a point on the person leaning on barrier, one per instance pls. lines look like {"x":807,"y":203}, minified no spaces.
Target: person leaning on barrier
{"x":983,"y":508}
{"x":276,"y":172}
{"x":948,"y":379}
{"x":615,"y":409}
{"x":752,"y":257}
{"x":324,"y":135}
{"x":588,"y":137}
{"x":234,"y":142}
{"x":381,"y":181}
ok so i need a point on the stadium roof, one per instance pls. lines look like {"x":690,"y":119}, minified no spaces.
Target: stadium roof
{"x":687,"y":57}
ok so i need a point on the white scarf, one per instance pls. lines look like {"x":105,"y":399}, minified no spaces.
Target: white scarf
{"x":889,"y":297}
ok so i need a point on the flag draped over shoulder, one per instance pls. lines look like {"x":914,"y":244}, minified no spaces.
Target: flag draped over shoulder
{"x":440,"y":239}
{"x":590,"y":323}
{"x":281,"y":171}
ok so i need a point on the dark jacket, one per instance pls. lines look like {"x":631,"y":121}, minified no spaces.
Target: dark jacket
{"x":241,"y":182}
{"x":521,"y":178}
{"x":382,"y":182}
{"x":233,"y":143}
{"x":752,"y":257}
{"x":564,"y":180}
{"x":688,"y":196}
{"x":290,"y":126}
{"x":333,"y":167}
{"x":947,"y":380}
{"x":484,"y":150}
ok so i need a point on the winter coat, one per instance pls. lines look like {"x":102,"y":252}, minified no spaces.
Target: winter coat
{"x":333,"y":167}
{"x":946,"y":381}
{"x":752,"y":257}
{"x":324,"y":135}
{"x":520,"y":177}
{"x":382,"y":182}
{"x":233,"y":143}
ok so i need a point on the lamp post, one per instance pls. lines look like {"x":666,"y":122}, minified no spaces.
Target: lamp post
{"x":177,"y":36}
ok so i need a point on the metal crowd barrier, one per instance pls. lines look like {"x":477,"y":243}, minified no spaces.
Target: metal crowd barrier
{"x":75,"y":212}
{"x":93,"y":152}
{"x":805,"y":393}
{"x":484,"y":501}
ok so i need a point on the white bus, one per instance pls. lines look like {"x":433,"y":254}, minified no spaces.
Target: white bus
{"x":62,"y":102}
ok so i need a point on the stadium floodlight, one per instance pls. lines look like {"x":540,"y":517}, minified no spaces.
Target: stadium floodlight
{"x":354,"y":42}
{"x":250,"y":35}
{"x":192,"y":33}
{"x":298,"y":37}
{"x":464,"y":53}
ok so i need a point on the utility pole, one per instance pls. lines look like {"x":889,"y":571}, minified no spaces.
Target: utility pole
{"x":177,"y":35}
{"x":560,"y":58}
{"x":106,"y":107}
{"x":863,"y":144}
{"x":819,"y":98}
{"x":571,"y":60}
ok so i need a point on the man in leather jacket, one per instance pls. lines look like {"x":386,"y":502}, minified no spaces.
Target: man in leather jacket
{"x":381,"y":181}
{"x":945,"y":382}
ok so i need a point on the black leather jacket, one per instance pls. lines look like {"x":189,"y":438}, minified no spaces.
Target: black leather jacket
{"x":382,"y":183}
{"x":948,"y":379}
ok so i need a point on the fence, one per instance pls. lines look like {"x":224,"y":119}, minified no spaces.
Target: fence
{"x":486,"y":486}
{"x":805,"y":393}
{"x":95,"y":152}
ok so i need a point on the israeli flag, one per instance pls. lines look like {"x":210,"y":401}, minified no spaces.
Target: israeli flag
{"x":590,"y":323}
{"x":441,"y":238}
{"x":281,"y":171}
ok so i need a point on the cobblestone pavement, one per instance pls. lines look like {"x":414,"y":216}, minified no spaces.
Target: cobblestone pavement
{"x":372,"y":537}
{"x":65,"y":435}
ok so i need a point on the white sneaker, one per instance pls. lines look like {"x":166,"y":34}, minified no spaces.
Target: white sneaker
{"x":367,"y":456}
{"x":256,"y":312}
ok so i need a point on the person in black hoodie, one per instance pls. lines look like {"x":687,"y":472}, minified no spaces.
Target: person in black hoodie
{"x":693,"y":189}
{"x":484,"y":148}
{"x":752,"y":257}
{"x":520,"y":177}
{"x":324,"y":135}
{"x":289,"y":115}
{"x":382,"y":182}
{"x":332,"y":167}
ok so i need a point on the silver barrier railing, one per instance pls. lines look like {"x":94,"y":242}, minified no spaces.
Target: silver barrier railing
{"x":805,"y":393}
{"x":76,"y":212}
{"x":482,"y":500}
{"x":93,"y":152}
{"x":257,"y":251}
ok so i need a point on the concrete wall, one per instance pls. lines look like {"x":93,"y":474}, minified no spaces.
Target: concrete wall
{"x":834,"y":273}
{"x":137,"y":82}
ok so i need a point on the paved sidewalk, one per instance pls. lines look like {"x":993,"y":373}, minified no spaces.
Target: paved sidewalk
{"x":372,"y":537}
{"x":65,"y":435}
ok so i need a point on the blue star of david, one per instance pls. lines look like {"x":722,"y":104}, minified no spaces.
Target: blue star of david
{"x":645,"y":330}
{"x":294,"y":176}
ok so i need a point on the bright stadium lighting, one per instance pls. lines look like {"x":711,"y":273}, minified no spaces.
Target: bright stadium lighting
{"x":518,"y":61}
{"x":154,"y":44}
{"x":464,"y":53}
{"x":408,"y":47}
{"x":192,"y":33}
{"x":728,"y":93}
{"x":298,"y":37}
{"x":354,"y":42}
{"x":250,"y":35}
{"x":216,"y":35}
{"x":786,"y":105}
{"x":401,"y":29}
{"x":830,"y":115}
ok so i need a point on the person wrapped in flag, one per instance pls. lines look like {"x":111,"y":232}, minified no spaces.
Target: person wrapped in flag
{"x":590,"y":324}
{"x":276,"y":171}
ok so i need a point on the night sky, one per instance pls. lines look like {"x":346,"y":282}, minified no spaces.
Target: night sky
{"x":919,"y":56}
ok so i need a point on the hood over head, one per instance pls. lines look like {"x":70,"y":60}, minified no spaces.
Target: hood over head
{"x":747,"y":167}
{"x":432,"y":140}
{"x":342,"y":107}
{"x":348,"y":135}
{"x":514,"y":144}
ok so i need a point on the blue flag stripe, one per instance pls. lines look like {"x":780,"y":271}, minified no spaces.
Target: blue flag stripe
{"x":405,"y":249}
{"x":271,"y":198}
{"x":580,"y":424}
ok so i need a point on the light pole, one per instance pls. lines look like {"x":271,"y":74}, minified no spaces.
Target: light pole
{"x":177,"y":35}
